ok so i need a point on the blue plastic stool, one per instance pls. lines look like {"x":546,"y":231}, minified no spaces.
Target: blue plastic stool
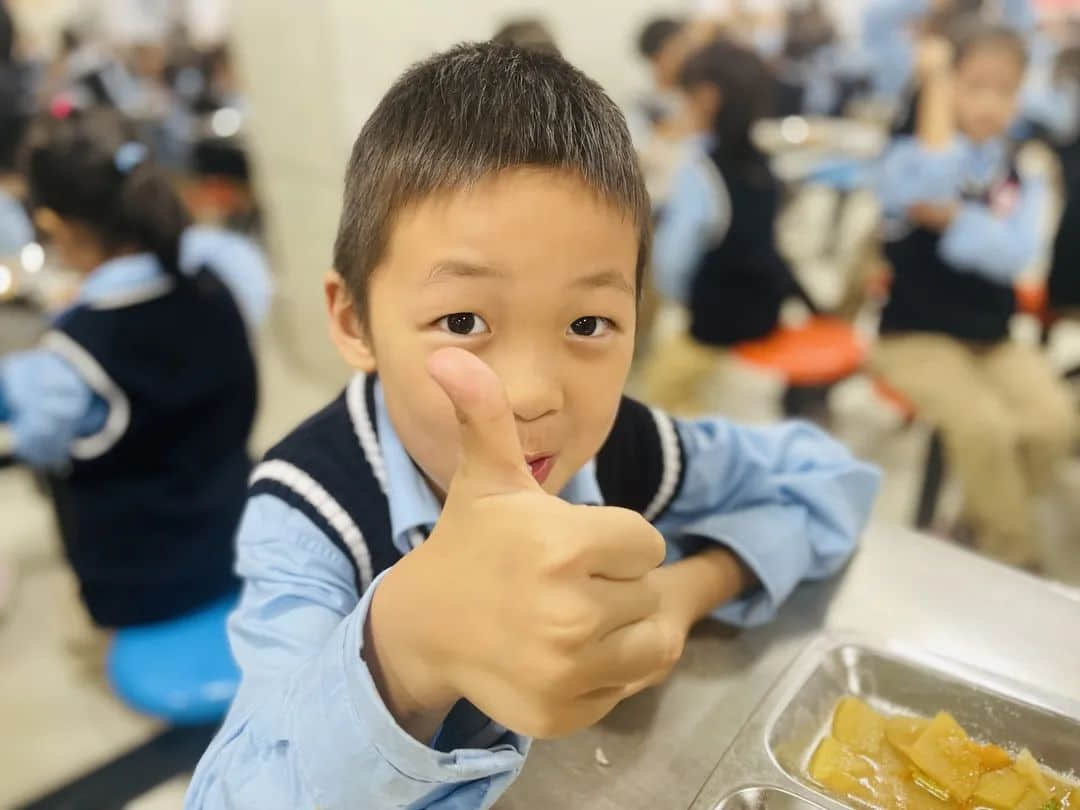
{"x":180,"y":670}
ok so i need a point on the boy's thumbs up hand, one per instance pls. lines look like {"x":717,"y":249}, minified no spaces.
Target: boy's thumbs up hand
{"x":542,"y":614}
{"x":492,"y":461}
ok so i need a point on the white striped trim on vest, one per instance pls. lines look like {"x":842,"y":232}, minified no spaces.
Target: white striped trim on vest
{"x":292,"y":477}
{"x":364,"y":427}
{"x":116,"y":424}
{"x":672,"y":456}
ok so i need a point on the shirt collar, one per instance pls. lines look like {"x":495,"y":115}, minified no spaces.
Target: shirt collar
{"x":414,"y":507}
{"x":121,"y":276}
{"x":983,"y":162}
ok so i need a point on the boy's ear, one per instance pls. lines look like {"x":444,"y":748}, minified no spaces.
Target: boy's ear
{"x":346,"y":325}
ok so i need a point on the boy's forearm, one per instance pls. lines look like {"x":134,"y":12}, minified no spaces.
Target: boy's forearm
{"x":408,"y":687}
{"x":697,"y":585}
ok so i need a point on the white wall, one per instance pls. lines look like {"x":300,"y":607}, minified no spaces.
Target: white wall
{"x":315,"y":73}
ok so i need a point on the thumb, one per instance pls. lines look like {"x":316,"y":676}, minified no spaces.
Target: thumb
{"x":492,"y":460}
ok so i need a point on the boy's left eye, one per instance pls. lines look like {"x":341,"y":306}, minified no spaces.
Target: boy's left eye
{"x":591,"y":326}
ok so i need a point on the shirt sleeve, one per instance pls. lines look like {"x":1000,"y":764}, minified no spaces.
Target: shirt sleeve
{"x":237,"y":261}
{"x":696,"y":215}
{"x":888,"y":44}
{"x":998,"y":248}
{"x":308,"y":727}
{"x":49,"y":405}
{"x":1020,"y":15}
{"x":908,"y":173}
{"x":786,"y":499}
{"x":15,"y":228}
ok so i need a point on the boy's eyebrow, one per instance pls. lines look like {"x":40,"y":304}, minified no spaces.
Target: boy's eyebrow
{"x":452,"y":268}
{"x":606,"y":278}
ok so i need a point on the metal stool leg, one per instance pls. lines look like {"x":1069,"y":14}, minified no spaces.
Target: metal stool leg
{"x":933,"y":476}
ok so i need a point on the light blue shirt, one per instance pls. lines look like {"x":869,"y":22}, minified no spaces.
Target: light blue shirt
{"x":1047,"y":100}
{"x":997,"y":246}
{"x":45,"y":398}
{"x":308,"y":727}
{"x":15,"y":227}
{"x":696,"y":216}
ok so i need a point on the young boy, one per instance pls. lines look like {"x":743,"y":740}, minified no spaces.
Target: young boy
{"x":418,"y":602}
{"x":961,"y":226}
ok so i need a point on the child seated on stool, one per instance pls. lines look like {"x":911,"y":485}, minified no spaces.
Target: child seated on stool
{"x":961,"y":225}
{"x":436,"y":565}
{"x":715,"y":248}
{"x":139,"y":401}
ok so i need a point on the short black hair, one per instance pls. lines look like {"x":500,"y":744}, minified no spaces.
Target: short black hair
{"x":748,"y":94}
{"x":471,"y":112}
{"x":527,"y":32}
{"x":970,"y":34}
{"x":89,"y":167}
{"x":655,"y":33}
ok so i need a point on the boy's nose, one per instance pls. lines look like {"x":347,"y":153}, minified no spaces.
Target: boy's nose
{"x":532,"y":389}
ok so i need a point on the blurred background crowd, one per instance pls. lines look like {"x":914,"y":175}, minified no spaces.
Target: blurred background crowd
{"x":865,"y":214}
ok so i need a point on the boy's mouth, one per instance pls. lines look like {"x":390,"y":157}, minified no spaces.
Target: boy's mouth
{"x":540,"y":467}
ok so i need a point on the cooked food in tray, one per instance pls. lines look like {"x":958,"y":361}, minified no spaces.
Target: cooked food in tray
{"x":901,"y":762}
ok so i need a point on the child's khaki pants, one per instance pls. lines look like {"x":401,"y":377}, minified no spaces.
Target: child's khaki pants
{"x":677,"y":373}
{"x":1007,"y":422}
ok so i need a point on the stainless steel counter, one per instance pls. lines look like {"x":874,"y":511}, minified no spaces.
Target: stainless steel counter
{"x":663,"y":745}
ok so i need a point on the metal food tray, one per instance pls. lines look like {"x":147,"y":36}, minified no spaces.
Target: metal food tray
{"x":766,"y":766}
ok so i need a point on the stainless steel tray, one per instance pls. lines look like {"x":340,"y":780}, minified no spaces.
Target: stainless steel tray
{"x":764,"y":769}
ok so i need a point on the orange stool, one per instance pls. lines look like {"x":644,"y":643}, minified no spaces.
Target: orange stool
{"x":811,"y":358}
{"x":1031,"y":299}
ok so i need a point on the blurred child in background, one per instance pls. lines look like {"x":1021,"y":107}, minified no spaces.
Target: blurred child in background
{"x":140,"y":400}
{"x":715,"y":247}
{"x":961,"y":225}
{"x":892,"y":30}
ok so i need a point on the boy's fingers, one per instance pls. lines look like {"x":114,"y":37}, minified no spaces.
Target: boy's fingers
{"x":622,"y":545}
{"x":491,"y":454}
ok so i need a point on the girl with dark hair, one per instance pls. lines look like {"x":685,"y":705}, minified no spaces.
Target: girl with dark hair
{"x":139,"y":402}
{"x":715,"y":247}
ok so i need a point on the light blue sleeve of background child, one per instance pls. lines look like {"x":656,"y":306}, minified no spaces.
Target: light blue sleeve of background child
{"x":15,"y":227}
{"x":996,"y":246}
{"x":694,"y":218}
{"x":889,"y":44}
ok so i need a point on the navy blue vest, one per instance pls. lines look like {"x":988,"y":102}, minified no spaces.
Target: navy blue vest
{"x":928,"y":295}
{"x":149,"y":504}
{"x":331,"y":469}
{"x":742,"y":282}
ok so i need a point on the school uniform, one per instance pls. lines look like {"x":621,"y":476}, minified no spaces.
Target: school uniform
{"x":138,"y":404}
{"x":715,"y":252}
{"x":1005,"y":416}
{"x":339,"y":501}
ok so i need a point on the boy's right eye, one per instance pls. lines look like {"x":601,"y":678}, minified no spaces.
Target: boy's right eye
{"x":463,"y":323}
